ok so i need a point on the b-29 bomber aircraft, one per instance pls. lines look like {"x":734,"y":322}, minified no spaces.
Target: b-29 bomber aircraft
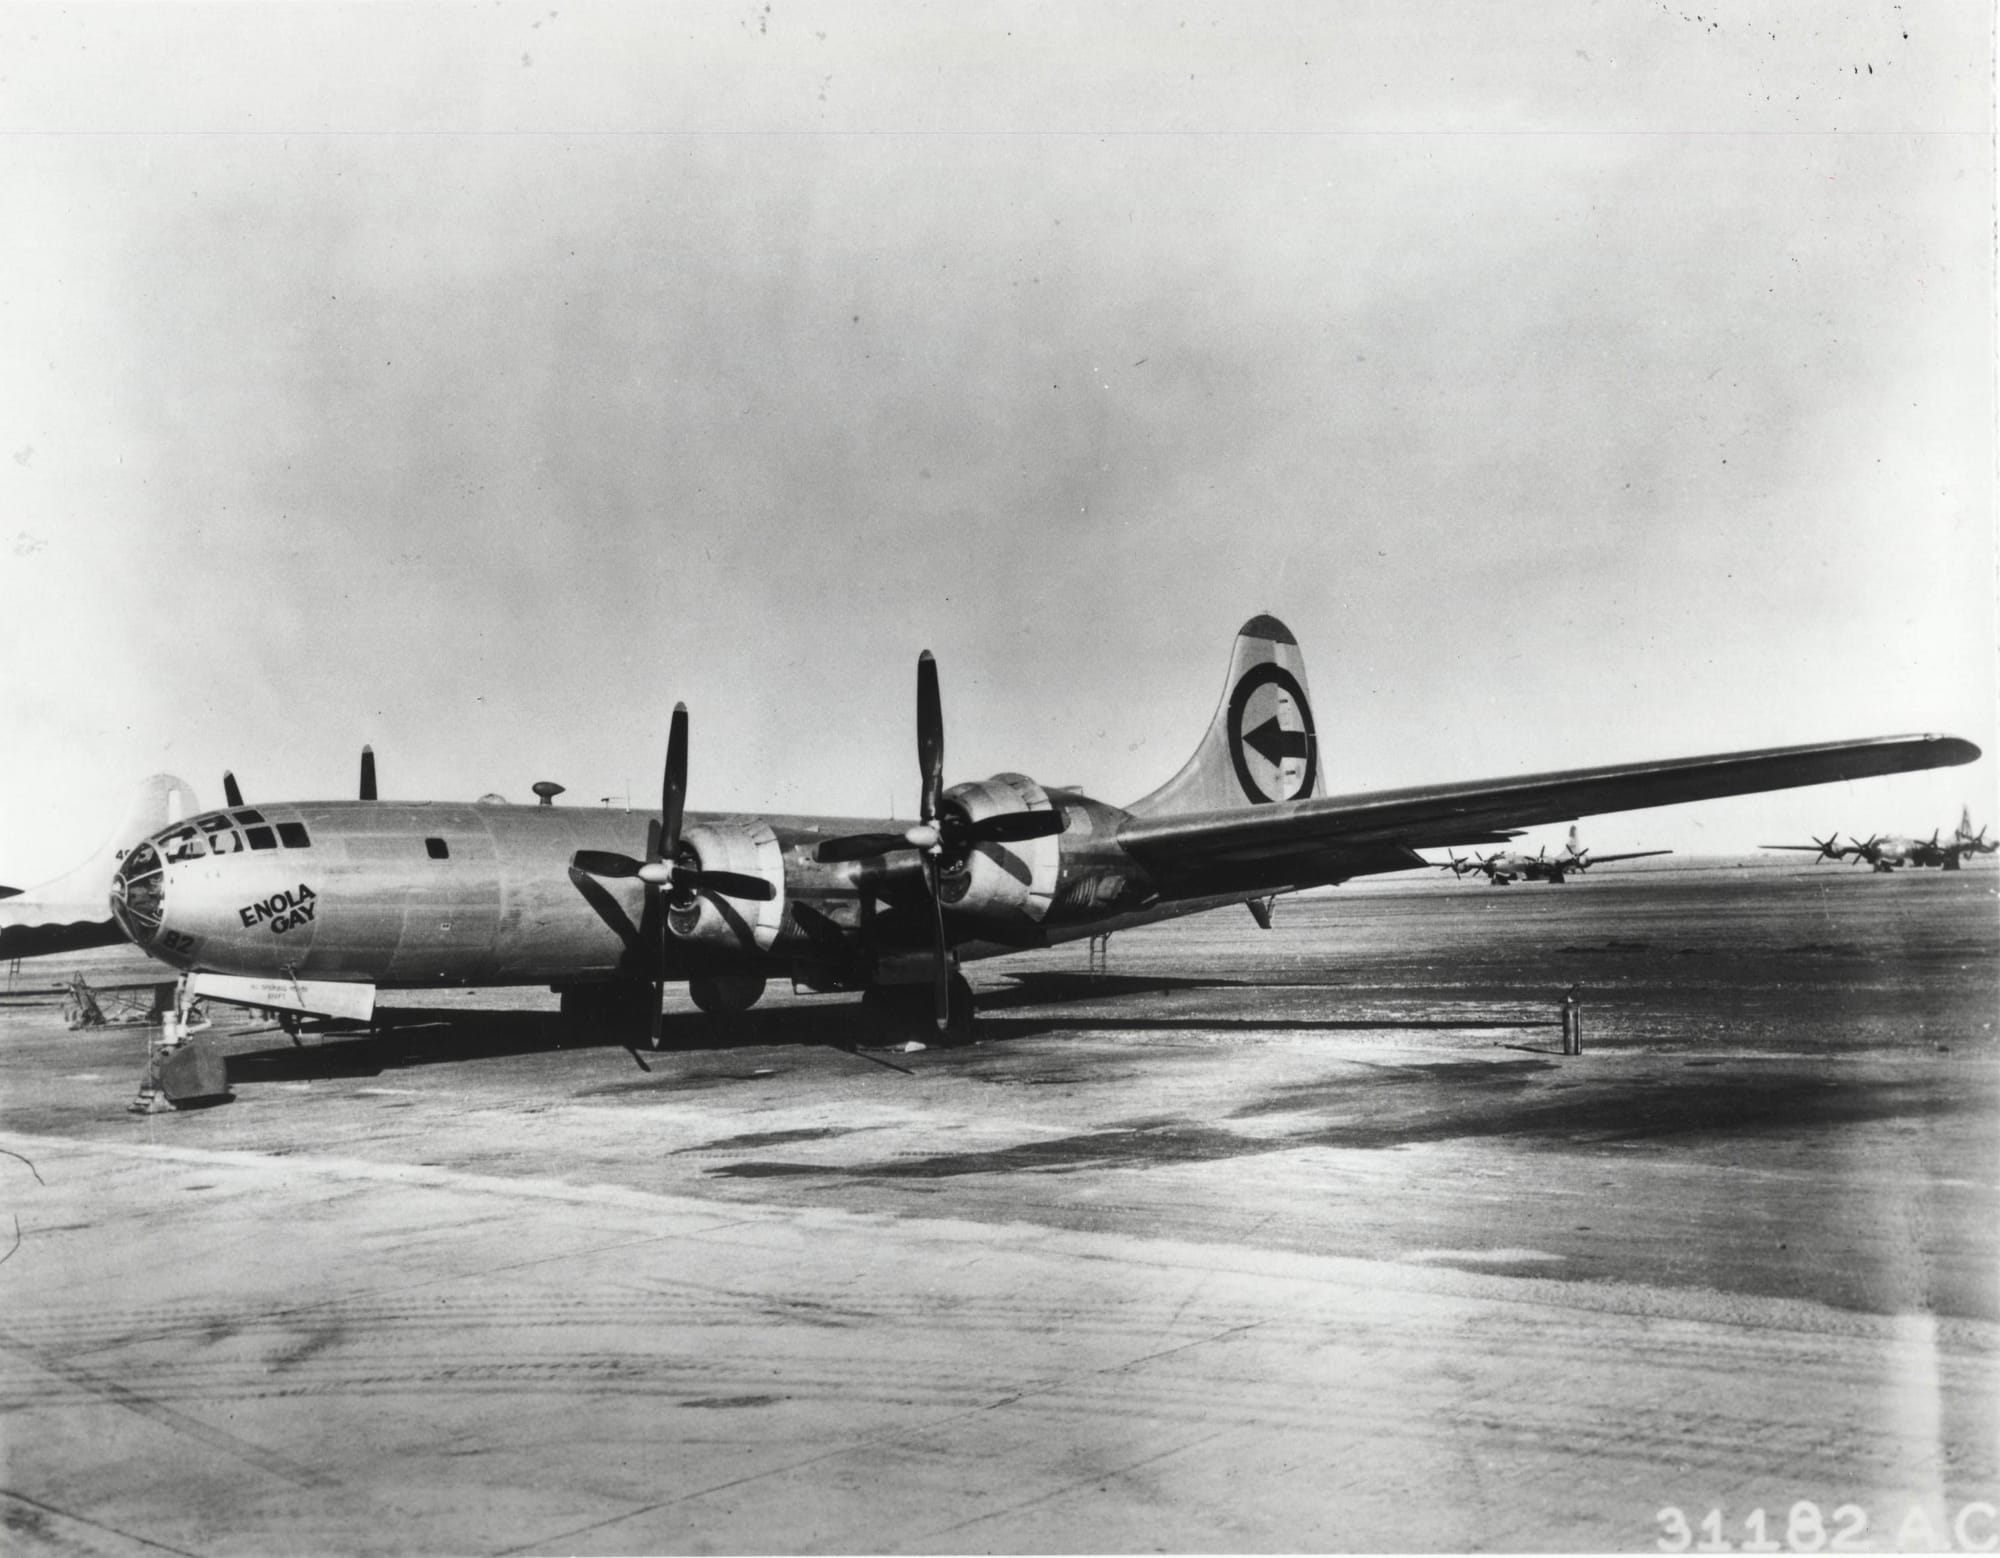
{"x":315,"y":906}
{"x":1885,"y":854}
{"x":1503,"y":868}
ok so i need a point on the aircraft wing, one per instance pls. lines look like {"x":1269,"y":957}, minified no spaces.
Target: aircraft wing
{"x":1331,"y":837}
{"x":1636,"y":854}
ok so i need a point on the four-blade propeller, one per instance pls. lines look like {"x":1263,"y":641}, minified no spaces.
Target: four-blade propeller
{"x":671,"y":869}
{"x":945,"y":835}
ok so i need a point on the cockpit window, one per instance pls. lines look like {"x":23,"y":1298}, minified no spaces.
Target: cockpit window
{"x":293,"y":835}
{"x":222,"y":838}
{"x":181,"y":844}
{"x":248,"y":814}
{"x":260,"y":838}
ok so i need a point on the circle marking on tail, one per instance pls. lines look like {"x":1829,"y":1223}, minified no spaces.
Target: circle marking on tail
{"x":1280,"y":733}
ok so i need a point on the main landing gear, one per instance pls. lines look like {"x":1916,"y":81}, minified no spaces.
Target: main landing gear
{"x":896,"y":1014}
{"x":908,"y":1013}
{"x":727,"y":993}
{"x":624,"y":1006}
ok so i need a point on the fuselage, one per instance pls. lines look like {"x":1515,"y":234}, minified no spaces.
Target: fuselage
{"x":1503,"y":869}
{"x":403,"y":895}
{"x":1885,"y":854}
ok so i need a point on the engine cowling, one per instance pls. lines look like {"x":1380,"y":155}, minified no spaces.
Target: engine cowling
{"x":1000,"y":891}
{"x":742,"y":844}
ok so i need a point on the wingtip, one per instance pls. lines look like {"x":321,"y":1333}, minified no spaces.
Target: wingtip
{"x":1954,"y":750}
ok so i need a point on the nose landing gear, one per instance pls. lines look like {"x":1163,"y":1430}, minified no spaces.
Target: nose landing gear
{"x":182,"y":1071}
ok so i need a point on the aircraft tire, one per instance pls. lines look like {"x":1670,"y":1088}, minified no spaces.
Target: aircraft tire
{"x":905,"y":1012}
{"x":619,"y":1008}
{"x":725,"y":993}
{"x":958,"y":1028}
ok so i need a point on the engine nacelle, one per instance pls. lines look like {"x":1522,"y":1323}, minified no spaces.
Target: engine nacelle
{"x":1001,"y":891}
{"x":747,"y":846}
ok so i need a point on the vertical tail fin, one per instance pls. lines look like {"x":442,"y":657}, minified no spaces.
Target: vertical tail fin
{"x":1262,"y":746}
{"x":83,"y":895}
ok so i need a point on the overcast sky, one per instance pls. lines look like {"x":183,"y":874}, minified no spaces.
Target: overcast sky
{"x":1580,"y":381}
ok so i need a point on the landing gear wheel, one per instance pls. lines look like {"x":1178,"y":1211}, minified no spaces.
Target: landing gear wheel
{"x":618,"y":1011}
{"x":958,"y":1027}
{"x":727,"y":992}
{"x":906,"y":1013}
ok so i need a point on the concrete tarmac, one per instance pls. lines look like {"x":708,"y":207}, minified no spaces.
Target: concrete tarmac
{"x":1298,"y":1240}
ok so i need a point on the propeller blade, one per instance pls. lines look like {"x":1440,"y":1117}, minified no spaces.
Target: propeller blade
{"x":941,"y":984}
{"x":673,"y":793}
{"x":1017,"y":827}
{"x":231,"y":796}
{"x":608,"y":908}
{"x":600,"y":862}
{"x":652,"y":938}
{"x":859,"y":846}
{"x":730,"y":884}
{"x":368,"y":773}
{"x":930,"y":736}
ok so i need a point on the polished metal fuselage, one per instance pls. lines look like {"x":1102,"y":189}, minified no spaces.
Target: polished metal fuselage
{"x":403,"y":895}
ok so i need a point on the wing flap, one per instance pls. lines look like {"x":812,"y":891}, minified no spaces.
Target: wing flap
{"x":1436,"y":816}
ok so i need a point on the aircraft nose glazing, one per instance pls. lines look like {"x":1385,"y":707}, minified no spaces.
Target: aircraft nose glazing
{"x":139,"y":894}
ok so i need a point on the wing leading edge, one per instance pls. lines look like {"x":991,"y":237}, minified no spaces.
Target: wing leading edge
{"x":1350,"y":835}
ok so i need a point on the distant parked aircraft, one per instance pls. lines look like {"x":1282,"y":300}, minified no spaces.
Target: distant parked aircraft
{"x":1503,"y":868}
{"x":1885,"y":854}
